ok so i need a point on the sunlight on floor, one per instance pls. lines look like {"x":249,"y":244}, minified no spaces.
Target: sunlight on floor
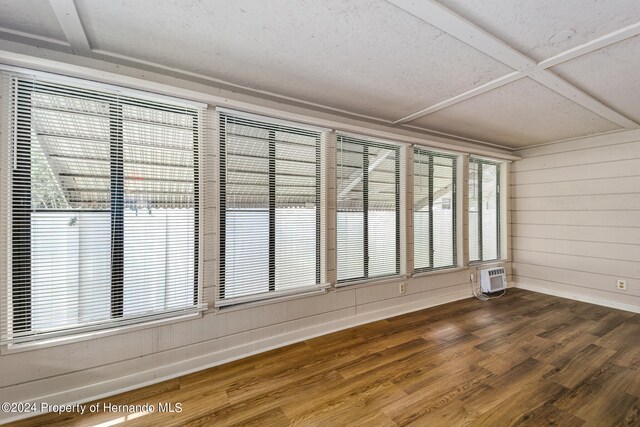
{"x":120,"y":420}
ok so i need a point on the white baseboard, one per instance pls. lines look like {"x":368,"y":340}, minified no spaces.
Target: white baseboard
{"x":578,"y":297}
{"x":152,"y":376}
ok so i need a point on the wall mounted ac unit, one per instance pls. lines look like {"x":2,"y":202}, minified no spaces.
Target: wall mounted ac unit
{"x":493,"y":279}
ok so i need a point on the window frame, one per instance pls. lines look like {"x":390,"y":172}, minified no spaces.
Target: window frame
{"x":366,"y":143}
{"x":20,"y":210}
{"x":498,"y":166}
{"x":453,"y":203}
{"x":271,"y":126}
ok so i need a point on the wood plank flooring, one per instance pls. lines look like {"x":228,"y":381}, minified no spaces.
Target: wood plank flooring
{"x":524,"y":359}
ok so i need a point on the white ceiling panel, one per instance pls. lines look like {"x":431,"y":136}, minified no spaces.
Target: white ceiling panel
{"x":30,"y":16}
{"x":364,"y":56}
{"x":519,"y":114}
{"x":609,"y":74}
{"x":543,"y":28}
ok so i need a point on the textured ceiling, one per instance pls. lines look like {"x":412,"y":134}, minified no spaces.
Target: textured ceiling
{"x":501,"y":116}
{"x":610,"y":74}
{"x":31,"y":16}
{"x":382,"y":60}
{"x":371,"y":60}
{"x":538,"y":28}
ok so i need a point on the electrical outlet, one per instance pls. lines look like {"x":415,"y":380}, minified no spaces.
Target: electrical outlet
{"x":621,"y":284}
{"x":471,"y":277}
{"x":402,"y":288}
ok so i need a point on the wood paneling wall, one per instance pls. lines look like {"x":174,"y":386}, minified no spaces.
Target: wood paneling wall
{"x":575,"y":219}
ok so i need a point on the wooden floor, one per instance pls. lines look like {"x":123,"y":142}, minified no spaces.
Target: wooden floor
{"x":524,"y":359}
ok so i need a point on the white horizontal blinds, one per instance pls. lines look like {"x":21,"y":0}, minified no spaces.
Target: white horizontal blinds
{"x":270,"y":194}
{"x":484,"y":210}
{"x":368,"y":214}
{"x":104,"y":209}
{"x":434,"y":210}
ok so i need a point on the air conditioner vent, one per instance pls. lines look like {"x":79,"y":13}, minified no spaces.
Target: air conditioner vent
{"x":493,"y":279}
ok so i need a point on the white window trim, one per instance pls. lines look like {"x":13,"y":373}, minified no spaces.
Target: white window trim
{"x":460,"y":215}
{"x":402,"y":236}
{"x":99,"y":333}
{"x":241,"y":303}
{"x":438,"y":271}
{"x":504,"y":219}
{"x":370,"y":282}
{"x":267,"y":298}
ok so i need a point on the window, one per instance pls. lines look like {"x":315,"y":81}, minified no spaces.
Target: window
{"x":434,"y":210}
{"x":484,"y":210}
{"x":104,"y":209}
{"x":368,"y":215}
{"x":270,"y":197}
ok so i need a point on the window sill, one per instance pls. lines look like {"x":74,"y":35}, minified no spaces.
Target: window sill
{"x":267,"y":300}
{"x":437,"y":272}
{"x":85,"y":336}
{"x":490,"y":263}
{"x":356,"y":284}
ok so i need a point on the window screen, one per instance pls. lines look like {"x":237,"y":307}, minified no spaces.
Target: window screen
{"x":104,"y":208}
{"x":270,"y":195}
{"x":484,"y":210}
{"x":434,"y":210}
{"x":368,"y":214}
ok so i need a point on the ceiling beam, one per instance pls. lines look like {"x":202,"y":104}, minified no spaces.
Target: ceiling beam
{"x":562,"y":87}
{"x":40,"y":41}
{"x":479,"y":90}
{"x":440,"y":17}
{"x":67,"y":14}
{"x":447,"y":21}
{"x":591,"y":46}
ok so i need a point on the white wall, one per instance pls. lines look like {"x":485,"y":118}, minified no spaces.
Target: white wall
{"x":111,"y":362}
{"x":576,"y":219}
